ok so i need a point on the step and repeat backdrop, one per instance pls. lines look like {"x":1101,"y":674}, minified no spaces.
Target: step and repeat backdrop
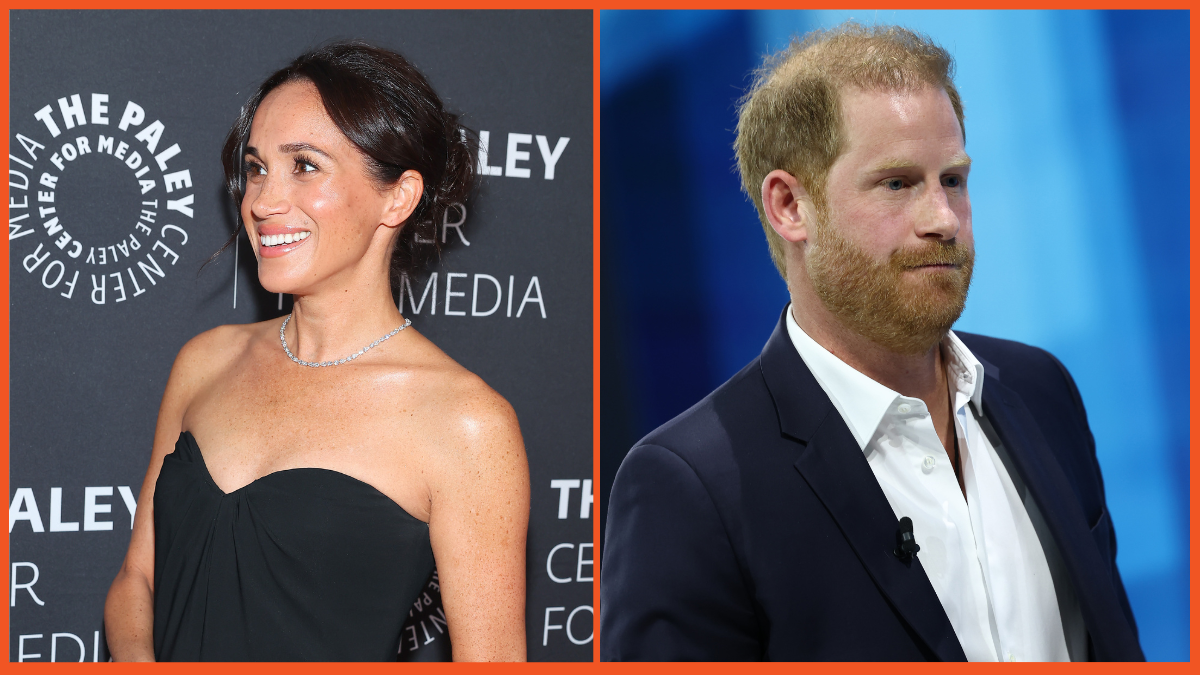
{"x":116,"y":199}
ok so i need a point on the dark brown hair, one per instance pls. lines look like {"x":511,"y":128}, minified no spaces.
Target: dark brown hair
{"x":388,"y":110}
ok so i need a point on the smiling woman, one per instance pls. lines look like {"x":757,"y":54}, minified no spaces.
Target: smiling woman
{"x":307,"y":473}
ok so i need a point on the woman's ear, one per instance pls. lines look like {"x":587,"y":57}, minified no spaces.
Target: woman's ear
{"x":404,"y":195}
{"x":787,"y":205}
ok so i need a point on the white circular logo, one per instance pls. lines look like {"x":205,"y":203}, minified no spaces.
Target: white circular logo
{"x":96,"y":202}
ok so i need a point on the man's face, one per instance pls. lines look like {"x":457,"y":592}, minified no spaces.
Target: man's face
{"x":891,"y":252}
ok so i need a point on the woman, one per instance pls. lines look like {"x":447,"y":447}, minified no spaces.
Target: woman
{"x":307,"y":472}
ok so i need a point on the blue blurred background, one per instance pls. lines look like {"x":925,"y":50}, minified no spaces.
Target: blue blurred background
{"x":1078,"y":126}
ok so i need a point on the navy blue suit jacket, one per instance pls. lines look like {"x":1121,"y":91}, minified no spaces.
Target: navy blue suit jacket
{"x":751,"y":526}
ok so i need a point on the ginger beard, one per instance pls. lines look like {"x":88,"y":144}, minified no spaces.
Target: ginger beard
{"x":890,"y":303}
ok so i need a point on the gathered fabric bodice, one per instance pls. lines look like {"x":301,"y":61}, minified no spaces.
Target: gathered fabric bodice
{"x":300,"y":565}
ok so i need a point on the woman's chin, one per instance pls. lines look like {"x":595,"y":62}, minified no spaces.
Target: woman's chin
{"x":273,"y":284}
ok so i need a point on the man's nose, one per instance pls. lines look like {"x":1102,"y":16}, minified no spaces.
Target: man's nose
{"x":937,"y":218}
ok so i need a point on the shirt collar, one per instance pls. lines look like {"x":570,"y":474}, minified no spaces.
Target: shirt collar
{"x":863,"y":402}
{"x":966,"y":370}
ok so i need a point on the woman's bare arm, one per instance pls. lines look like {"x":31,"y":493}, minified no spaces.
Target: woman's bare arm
{"x":479,"y":518}
{"x":129,"y":608}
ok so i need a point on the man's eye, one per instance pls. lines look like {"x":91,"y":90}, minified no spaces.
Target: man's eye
{"x":952,"y":181}
{"x":895,"y":184}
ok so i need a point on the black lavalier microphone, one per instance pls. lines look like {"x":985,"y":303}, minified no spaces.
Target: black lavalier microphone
{"x":906,"y":544}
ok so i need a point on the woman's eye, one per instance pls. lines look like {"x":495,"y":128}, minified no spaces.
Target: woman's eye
{"x":305,"y":166}
{"x":253,"y":169}
{"x":895,"y":184}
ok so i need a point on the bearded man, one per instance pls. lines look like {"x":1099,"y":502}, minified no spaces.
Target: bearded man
{"x":873,"y":486}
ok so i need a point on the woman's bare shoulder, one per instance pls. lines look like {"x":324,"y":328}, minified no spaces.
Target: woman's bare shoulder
{"x":479,"y":413}
{"x":474,"y":462}
{"x":473,"y":421}
{"x":215,"y":351}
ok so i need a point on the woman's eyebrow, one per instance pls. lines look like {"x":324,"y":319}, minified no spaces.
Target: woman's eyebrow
{"x":289,"y":148}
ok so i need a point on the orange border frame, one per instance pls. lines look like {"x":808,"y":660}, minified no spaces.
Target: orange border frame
{"x":596,"y":6}
{"x":596,"y":505}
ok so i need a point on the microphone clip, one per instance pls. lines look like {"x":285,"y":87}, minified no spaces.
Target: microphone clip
{"x":906,"y":544}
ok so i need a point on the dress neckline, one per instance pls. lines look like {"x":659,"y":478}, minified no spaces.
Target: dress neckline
{"x":187,"y":437}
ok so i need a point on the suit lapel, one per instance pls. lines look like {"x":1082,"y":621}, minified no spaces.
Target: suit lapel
{"x":830,"y":461}
{"x":1048,"y":484}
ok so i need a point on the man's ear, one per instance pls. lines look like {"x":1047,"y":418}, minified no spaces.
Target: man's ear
{"x":405,"y":195}
{"x":788,"y":206}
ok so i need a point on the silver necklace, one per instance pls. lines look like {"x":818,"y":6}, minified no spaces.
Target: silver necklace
{"x":355,"y":355}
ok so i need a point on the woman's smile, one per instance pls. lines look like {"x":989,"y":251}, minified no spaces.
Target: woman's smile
{"x":283,"y":243}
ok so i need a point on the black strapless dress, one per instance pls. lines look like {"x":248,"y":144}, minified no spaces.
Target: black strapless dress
{"x":300,"y":565}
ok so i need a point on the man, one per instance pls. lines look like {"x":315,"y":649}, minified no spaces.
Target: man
{"x":873,"y":486}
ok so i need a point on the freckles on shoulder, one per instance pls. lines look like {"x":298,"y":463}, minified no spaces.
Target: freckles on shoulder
{"x":455,"y":406}
{"x":482,"y":415}
{"x":485,"y":434}
{"x":214,"y":349}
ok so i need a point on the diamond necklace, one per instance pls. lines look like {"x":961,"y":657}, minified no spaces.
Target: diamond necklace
{"x":355,"y":355}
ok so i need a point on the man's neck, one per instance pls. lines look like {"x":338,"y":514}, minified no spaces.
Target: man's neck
{"x":920,"y":375}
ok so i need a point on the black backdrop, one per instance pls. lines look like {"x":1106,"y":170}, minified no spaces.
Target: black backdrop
{"x":104,"y":288}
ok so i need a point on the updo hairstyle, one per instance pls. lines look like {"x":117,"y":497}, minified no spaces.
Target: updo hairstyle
{"x":388,"y":110}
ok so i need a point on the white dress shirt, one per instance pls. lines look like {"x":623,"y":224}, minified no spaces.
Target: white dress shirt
{"x":981,"y":553}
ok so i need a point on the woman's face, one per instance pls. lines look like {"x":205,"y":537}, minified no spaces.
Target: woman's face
{"x":312,"y":211}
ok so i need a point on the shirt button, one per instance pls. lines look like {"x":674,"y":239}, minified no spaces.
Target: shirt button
{"x":1011,"y":657}
{"x":903,"y":408}
{"x":929,"y":463}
